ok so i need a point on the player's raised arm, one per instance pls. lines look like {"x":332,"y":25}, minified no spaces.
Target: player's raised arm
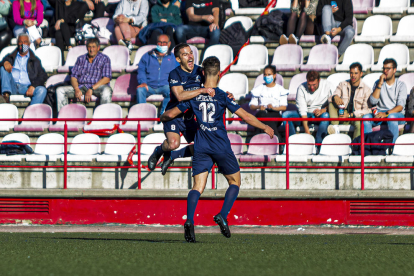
{"x":251,"y":120}
{"x":182,"y":95}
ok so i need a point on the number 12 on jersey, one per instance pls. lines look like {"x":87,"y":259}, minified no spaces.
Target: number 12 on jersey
{"x":208,"y":110}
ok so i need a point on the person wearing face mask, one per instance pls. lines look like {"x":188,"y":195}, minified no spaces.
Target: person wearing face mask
{"x":22,"y":73}
{"x":153,"y":70}
{"x":269,"y":99}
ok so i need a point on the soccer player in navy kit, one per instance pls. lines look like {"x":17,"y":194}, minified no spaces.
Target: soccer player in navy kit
{"x":212,"y":145}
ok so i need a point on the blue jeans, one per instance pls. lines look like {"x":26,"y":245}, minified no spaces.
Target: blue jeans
{"x":184,"y":32}
{"x":392,"y":125}
{"x":322,"y":129}
{"x":9,"y":85}
{"x":143,"y":94}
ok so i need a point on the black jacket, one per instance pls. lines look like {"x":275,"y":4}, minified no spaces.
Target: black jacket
{"x":344,"y":14}
{"x":382,"y":136}
{"x":37,"y":75}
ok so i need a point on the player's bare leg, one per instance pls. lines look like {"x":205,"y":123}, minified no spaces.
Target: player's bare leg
{"x":171,"y":143}
{"x":229,"y":199}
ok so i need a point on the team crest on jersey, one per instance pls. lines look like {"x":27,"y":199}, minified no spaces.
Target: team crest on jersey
{"x":197,"y":78}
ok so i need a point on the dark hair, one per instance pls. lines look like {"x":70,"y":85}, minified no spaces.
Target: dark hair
{"x":211,"y":66}
{"x":312,"y":75}
{"x":92,"y":40}
{"x":354,"y":65}
{"x":178,"y":48}
{"x":390,"y":60}
{"x":271,"y":67}
{"x":158,"y":36}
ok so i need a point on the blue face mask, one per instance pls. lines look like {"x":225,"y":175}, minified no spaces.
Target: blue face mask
{"x":162,"y":49}
{"x":268,"y":79}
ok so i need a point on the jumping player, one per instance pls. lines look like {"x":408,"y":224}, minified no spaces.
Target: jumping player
{"x":212,"y":145}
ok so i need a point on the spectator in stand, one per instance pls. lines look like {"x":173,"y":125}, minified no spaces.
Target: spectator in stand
{"x":63,"y":24}
{"x":352,"y":97}
{"x":312,"y":102}
{"x":300,"y":21}
{"x":90,"y":75}
{"x":5,"y":33}
{"x":203,"y":21}
{"x":389,"y":98}
{"x":153,"y":70}
{"x":130,"y":17}
{"x":410,"y":109}
{"x":270,"y":99}
{"x":28,"y":15}
{"x":96,"y":6}
{"x":22,"y":73}
{"x":165,"y":12}
{"x":337,"y":19}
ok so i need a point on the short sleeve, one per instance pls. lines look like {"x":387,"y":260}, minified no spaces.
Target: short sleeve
{"x":231,"y":105}
{"x":188,"y":4}
{"x":215,"y":4}
{"x":174,"y":78}
{"x":183,"y":106}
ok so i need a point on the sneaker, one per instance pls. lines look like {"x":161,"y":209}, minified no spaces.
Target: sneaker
{"x":6,"y":97}
{"x":283,"y":40}
{"x":293,"y":39}
{"x":333,"y":129}
{"x":42,"y":44}
{"x":224,"y":226}
{"x":189,"y":234}
{"x":326,"y":39}
{"x":167,"y":162}
{"x":153,"y":159}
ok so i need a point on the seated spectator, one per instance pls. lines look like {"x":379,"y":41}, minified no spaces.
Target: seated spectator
{"x":389,"y":98}
{"x":165,"y":12}
{"x":270,"y":99}
{"x":352,"y":97}
{"x":90,"y":75}
{"x":63,"y":24}
{"x":96,"y":6}
{"x":312,"y":102}
{"x":337,"y":20}
{"x":5,"y":33}
{"x":203,"y":21}
{"x":28,"y":15}
{"x":22,"y":73}
{"x":410,"y":109}
{"x":130,"y":17}
{"x":153,"y":70}
{"x":300,"y":21}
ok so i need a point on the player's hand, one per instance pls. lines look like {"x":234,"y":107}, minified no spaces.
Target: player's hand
{"x":338,"y":100}
{"x":30,"y":91}
{"x":143,"y":85}
{"x":211,"y":92}
{"x":8,"y":67}
{"x":230,"y":95}
{"x":269,"y":131}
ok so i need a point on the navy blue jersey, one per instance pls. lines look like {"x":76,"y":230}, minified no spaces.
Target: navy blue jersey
{"x":211,"y":136}
{"x":189,"y":81}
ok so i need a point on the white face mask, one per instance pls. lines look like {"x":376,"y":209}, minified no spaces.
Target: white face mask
{"x":162,"y":49}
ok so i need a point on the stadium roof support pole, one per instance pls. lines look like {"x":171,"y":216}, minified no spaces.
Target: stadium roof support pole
{"x":65,"y":167}
{"x":362,"y":157}
{"x":287,"y":154}
{"x":139,"y":154}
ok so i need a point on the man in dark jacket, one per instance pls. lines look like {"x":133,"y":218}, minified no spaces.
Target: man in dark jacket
{"x":22,"y":73}
{"x":337,"y":19}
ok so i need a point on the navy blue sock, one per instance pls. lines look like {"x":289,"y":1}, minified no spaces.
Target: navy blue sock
{"x":229,"y":199}
{"x":181,"y":153}
{"x":159,"y":149}
{"x":192,"y":200}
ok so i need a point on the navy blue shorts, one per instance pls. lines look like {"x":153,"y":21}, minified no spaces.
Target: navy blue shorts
{"x":187,"y":127}
{"x":225,"y":161}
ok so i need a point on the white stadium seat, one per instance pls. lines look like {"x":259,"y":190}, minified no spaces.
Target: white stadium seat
{"x":288,"y":57}
{"x":408,"y":79}
{"x":370,"y":79}
{"x":362,"y":53}
{"x":246,"y":22}
{"x":235,"y":83}
{"x":337,"y":78}
{"x":251,"y":58}
{"x":322,"y":57}
{"x":376,"y":28}
{"x":402,"y":152}
{"x":15,"y":137}
{"x":7,"y":50}
{"x":299,"y":153}
{"x":399,"y":52}
{"x":105,"y":111}
{"x":117,"y":152}
{"x":49,"y":147}
{"x":50,"y":56}
{"x":294,"y":84}
{"x":405,"y":30}
{"x":8,"y":111}
{"x":335,"y":148}
{"x":84,"y":147}
{"x":392,"y":6}
{"x":223,"y":52}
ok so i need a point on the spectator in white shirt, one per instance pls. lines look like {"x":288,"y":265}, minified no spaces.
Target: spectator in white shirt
{"x":312,"y":102}
{"x":269,"y":99}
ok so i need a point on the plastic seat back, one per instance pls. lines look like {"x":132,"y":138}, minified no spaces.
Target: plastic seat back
{"x":151,"y":141}
{"x":408,"y":79}
{"x":306,"y":148}
{"x":288,"y":54}
{"x":17,"y":137}
{"x":109,"y":110}
{"x":253,"y":55}
{"x":399,"y":52}
{"x":223,"y":52}
{"x":120,"y":144}
{"x":125,"y":88}
{"x":73,"y":111}
{"x":50,"y":56}
{"x":74,"y":53}
{"x":336,"y":145}
{"x":246,"y":22}
{"x":85,"y":144}
{"x":236,"y":83}
{"x":235,"y":138}
{"x":119,"y":56}
{"x":143,"y":110}
{"x":405,"y":26}
{"x":377,"y":25}
{"x":58,"y":79}
{"x":264,"y":146}
{"x":370,"y":79}
{"x":323,"y":54}
{"x":400,"y":149}
{"x":141,"y":51}
{"x":295,"y":82}
{"x":37,"y":111}
{"x":106,"y":22}
{"x":7,"y":50}
{"x":362,"y":53}
{"x":50,"y":144}
{"x":8,"y":111}
{"x":337,"y":78}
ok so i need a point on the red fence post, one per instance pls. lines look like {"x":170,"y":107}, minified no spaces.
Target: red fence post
{"x":65,"y":167}
{"x":362,"y":157}
{"x":213,"y":177}
{"x":139,"y":154}
{"x":287,"y":153}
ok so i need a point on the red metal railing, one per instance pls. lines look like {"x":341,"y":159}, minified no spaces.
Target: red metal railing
{"x":287,"y":165}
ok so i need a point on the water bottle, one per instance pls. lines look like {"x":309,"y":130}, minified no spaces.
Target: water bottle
{"x":341,"y":110}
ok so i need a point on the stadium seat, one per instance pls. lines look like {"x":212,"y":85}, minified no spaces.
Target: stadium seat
{"x":109,"y":24}
{"x":61,"y":79}
{"x":363,"y":6}
{"x":119,"y":56}
{"x":72,"y":111}
{"x":403,"y":151}
{"x":321,"y":58}
{"x":195,"y":53}
{"x":337,"y":78}
{"x":408,"y":79}
{"x":240,"y":125}
{"x":265,"y":149}
{"x":138,"y":55}
{"x":392,"y":6}
{"x":246,"y":22}
{"x":294,"y":84}
{"x":125,"y":88}
{"x":362,"y":53}
{"x":376,"y":28}
{"x":251,"y":58}
{"x":334,"y":148}
{"x":410,"y":10}
{"x":117,"y":148}
{"x":410,"y":67}
{"x":235,"y":138}
{"x":143,"y":110}
{"x":259,"y":80}
{"x":405,"y":31}
{"x":15,"y":137}
{"x":7,"y":50}
{"x":297,"y":152}
{"x":49,"y":147}
{"x":107,"y":111}
{"x":84,"y":147}
{"x":223,"y":52}
{"x":235,"y":83}
{"x":35,"y":111}
{"x":370,"y":79}
{"x":288,"y":57}
{"x":50,"y":56}
{"x":8,"y":111}
{"x":149,"y":143}
{"x":399,"y":52}
{"x":71,"y":58}
{"x":244,"y":11}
